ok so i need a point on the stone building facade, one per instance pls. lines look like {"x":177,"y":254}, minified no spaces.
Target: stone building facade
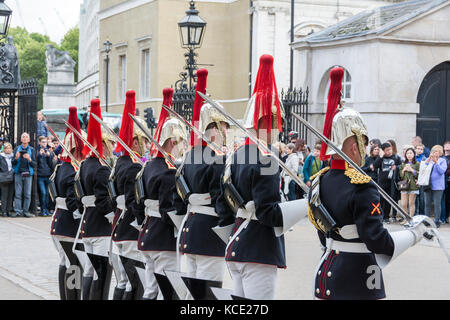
{"x":397,"y":62}
{"x":88,"y":70}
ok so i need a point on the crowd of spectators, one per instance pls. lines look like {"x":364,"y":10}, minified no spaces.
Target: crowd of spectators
{"x":21,"y":166}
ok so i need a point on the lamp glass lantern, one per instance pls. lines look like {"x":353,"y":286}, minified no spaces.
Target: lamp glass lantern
{"x":5,"y":17}
{"x":108,"y":45}
{"x":192,"y":28}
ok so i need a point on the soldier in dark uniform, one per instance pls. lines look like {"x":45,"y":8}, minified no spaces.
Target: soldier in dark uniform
{"x":66,"y":219}
{"x":157,"y":240}
{"x":256,"y":247}
{"x":124,"y":235}
{"x":202,"y":169}
{"x":95,"y":227}
{"x":359,"y":247}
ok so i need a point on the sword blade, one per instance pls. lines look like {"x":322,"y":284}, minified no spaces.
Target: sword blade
{"x":353,"y":164}
{"x":62,"y":145}
{"x":211,"y":144}
{"x":124,"y":145}
{"x":79,"y":135}
{"x":149,"y":136}
{"x":257,"y":141}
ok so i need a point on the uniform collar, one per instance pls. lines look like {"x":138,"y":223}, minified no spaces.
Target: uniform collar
{"x":338,"y":164}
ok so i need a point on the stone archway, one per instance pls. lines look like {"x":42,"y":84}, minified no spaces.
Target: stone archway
{"x":433,"y":120}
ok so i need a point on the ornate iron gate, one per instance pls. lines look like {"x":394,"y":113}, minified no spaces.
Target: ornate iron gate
{"x":27,"y":109}
{"x":7,"y":106}
{"x":295,"y":101}
{"x":183,"y":97}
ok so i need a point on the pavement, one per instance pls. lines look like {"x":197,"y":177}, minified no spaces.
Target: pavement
{"x":29,"y":264}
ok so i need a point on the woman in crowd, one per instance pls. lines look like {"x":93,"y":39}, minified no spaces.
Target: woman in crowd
{"x":395,"y":193}
{"x":7,"y":188}
{"x":434,"y":194}
{"x":368,"y":167}
{"x":292,"y":163}
{"x":409,"y":171}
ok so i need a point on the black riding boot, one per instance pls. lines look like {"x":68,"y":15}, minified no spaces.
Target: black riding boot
{"x":62,"y":282}
{"x":118,"y":294}
{"x":87,"y":284}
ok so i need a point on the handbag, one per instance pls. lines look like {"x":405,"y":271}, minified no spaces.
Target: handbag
{"x":7,"y":176}
{"x":424,"y":174}
{"x":403,"y":185}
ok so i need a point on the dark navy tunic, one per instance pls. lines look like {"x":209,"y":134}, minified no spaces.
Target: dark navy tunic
{"x":125,"y":178}
{"x":63,"y":223}
{"x":202,"y":171}
{"x":158,"y":234}
{"x":257,"y":243}
{"x":94,"y":179}
{"x":343,"y":274}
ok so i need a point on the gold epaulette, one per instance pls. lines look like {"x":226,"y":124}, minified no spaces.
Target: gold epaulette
{"x":319,"y":173}
{"x":356,"y":177}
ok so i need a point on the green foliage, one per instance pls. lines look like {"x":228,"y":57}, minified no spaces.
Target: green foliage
{"x":31,"y":48}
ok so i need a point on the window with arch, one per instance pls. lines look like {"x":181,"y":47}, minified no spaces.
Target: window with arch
{"x":346,"y":86}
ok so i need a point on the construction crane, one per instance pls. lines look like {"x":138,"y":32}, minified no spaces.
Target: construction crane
{"x":60,"y":19}
{"x":43,"y":26}
{"x":20,"y":14}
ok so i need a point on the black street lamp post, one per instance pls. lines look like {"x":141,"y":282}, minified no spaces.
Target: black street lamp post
{"x":107,"y":50}
{"x":192,"y":31}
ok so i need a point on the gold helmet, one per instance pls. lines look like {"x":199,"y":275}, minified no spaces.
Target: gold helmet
{"x":141,"y":137}
{"x":173,"y":128}
{"x":208,"y":115}
{"x":347,"y":123}
{"x":109,"y":142}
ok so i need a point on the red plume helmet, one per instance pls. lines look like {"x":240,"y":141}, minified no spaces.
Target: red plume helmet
{"x":334,"y":98}
{"x":266,"y":94}
{"x":71,"y":140}
{"x":202,"y":75}
{"x":127,"y":126}
{"x":163,"y":116}
{"x":94,"y":133}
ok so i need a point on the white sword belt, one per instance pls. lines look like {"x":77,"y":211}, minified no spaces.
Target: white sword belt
{"x":120,"y":200}
{"x":351,"y":247}
{"x":88,"y":201}
{"x":60,"y":203}
{"x":152,"y":208}
{"x":200,"y":203}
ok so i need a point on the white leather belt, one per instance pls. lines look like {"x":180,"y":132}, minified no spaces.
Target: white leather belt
{"x":60,"y":203}
{"x":88,"y":201}
{"x":120,"y":200}
{"x":152,"y":208}
{"x":198,"y":203}
{"x":349,"y":232}
{"x":249,"y":213}
{"x":351,"y":247}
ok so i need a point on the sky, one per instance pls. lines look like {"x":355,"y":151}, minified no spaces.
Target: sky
{"x":50,"y":17}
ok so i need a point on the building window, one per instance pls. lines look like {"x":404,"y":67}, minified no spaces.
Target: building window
{"x":145,"y":74}
{"x":346,"y":86}
{"x":122,"y":87}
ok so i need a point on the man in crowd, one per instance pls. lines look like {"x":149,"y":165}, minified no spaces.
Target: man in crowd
{"x":386,"y":165}
{"x":447,"y":180}
{"x":44,"y":171}
{"x":42,"y":130}
{"x":418,"y":141}
{"x":24,"y":165}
